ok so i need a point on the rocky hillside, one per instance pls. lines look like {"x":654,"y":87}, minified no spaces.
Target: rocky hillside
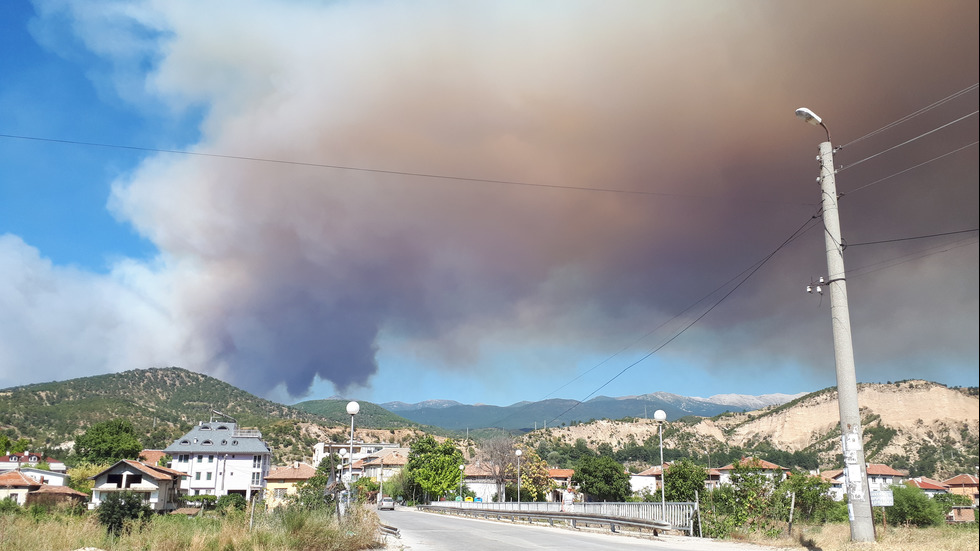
{"x":910,"y":424}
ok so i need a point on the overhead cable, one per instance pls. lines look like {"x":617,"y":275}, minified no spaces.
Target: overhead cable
{"x":924,"y":134}
{"x":913,"y":115}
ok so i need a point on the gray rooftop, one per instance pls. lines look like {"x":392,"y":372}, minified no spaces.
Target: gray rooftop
{"x":219,"y":437}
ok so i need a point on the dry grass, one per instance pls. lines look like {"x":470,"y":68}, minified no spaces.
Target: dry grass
{"x":272,"y":532}
{"x":836,"y":537}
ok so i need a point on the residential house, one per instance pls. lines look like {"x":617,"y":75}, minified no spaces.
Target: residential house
{"x":219,"y":459}
{"x":385,"y":464}
{"x":772,"y":470}
{"x":29,"y":459}
{"x":929,"y":486}
{"x":281,"y":482}
{"x":648,"y":481}
{"x":478,"y":478}
{"x":714,"y":479}
{"x":159,"y":487}
{"x":153,"y":457}
{"x":15,"y":485}
{"x":880,"y":477}
{"x":562,"y":481}
{"x":49,"y":478}
{"x":965,"y":485}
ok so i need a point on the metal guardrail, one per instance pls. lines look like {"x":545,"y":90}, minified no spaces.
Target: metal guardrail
{"x":679,"y":516}
{"x":390,"y":530}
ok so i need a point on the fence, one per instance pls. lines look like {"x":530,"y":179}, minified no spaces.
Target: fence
{"x":680,"y":516}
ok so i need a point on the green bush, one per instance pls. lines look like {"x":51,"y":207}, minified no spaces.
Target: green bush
{"x":914,"y":508}
{"x":121,"y":508}
{"x":231,"y":502}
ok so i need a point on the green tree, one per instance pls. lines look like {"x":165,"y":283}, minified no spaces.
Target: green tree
{"x":433,"y":466}
{"x":311,"y":494}
{"x":120,"y":508}
{"x":108,"y":442}
{"x":812,"y":498}
{"x":231,"y":502}
{"x":684,"y":481}
{"x":948,"y":501}
{"x":913,"y":507}
{"x":535,"y":481}
{"x":602,"y":478}
{"x":80,"y":476}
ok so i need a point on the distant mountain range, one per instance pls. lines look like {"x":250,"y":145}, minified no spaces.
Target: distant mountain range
{"x":453,"y":415}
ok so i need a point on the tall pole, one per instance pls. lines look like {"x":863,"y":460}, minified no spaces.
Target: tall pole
{"x":352,"y":409}
{"x":660,"y":416}
{"x":518,"y":453}
{"x":852,"y":440}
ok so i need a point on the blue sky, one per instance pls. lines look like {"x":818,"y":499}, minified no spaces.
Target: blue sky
{"x":489,"y":202}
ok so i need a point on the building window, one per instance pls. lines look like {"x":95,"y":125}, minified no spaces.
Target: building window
{"x":279,"y":493}
{"x":210,"y":459}
{"x":197,"y":476}
{"x":114,"y":479}
{"x":200,"y":458}
{"x":256,"y":479}
{"x":209,"y":476}
{"x":256,"y":461}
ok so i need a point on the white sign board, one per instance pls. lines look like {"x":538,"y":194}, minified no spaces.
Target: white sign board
{"x":882,"y":498}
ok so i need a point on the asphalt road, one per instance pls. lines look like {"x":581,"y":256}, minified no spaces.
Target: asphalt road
{"x":434,"y":532}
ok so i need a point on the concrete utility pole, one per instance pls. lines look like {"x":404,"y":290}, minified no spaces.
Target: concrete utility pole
{"x":852,"y":440}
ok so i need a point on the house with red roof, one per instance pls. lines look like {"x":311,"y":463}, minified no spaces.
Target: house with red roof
{"x":929,"y":486}
{"x":15,"y":485}
{"x":965,"y":485}
{"x":30,"y":459}
{"x":772,"y":470}
{"x":880,"y":477}
{"x":158,"y":486}
{"x":281,"y":482}
{"x":649,"y":480}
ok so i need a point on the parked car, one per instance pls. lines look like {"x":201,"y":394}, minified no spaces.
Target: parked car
{"x":386,"y":503}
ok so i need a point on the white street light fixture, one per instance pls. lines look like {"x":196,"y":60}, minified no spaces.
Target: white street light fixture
{"x":518,"y":454}
{"x":461,"y":467}
{"x":352,"y":409}
{"x":855,"y":469}
{"x":660,"y":416}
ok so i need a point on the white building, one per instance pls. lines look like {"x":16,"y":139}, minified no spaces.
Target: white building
{"x":28,"y":459}
{"x":158,"y":486}
{"x":220,"y":459}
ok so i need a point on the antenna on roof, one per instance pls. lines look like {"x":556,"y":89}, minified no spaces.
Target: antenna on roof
{"x":216,"y":412}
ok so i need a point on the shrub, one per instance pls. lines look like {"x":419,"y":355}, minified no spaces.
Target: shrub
{"x":914,"y":507}
{"x":231,"y":502}
{"x":118,"y":509}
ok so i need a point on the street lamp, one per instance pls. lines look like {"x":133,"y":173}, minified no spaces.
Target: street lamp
{"x":461,"y":467}
{"x":660,"y":416}
{"x":518,"y":453}
{"x":352,"y":409}
{"x":855,"y":470}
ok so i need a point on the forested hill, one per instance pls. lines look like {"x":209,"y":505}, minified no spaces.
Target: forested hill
{"x":161,"y":404}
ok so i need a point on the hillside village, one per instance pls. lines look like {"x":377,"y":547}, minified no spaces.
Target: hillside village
{"x":218,"y":457}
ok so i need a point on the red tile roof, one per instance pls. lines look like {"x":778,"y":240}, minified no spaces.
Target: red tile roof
{"x":292,"y":472}
{"x":963,"y":480}
{"x":152,"y":456}
{"x":752,"y":460}
{"x":17,"y":479}
{"x":58,"y":490}
{"x":926,"y":483}
{"x":560,"y":473}
{"x":879,"y":469}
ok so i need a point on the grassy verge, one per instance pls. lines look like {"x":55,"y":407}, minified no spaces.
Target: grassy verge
{"x":837,"y":536}
{"x":289,"y":530}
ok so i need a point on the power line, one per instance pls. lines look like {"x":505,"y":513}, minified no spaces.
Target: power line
{"x":892,"y":262}
{"x":750,"y":272}
{"x":913,"y":115}
{"x":924,"y":134}
{"x":879,"y":180}
{"x":374,"y":170}
{"x":911,"y":238}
